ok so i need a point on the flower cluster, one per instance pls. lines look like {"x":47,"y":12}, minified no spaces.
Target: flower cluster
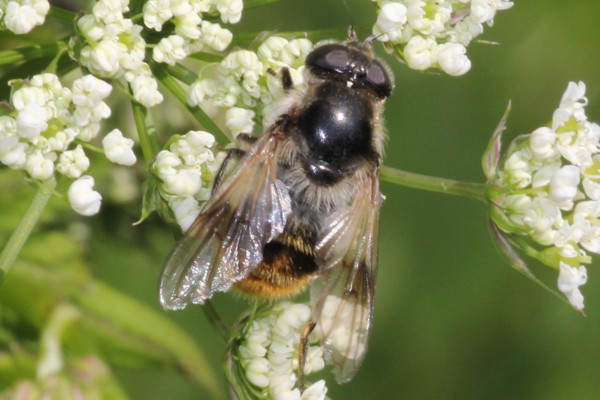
{"x":191,"y":33}
{"x":245,"y":81}
{"x":44,"y":133}
{"x":83,"y":377}
{"x":433,"y":33}
{"x":345,"y":324}
{"x":21,"y":16}
{"x":113,"y":47}
{"x":269,"y":350}
{"x":548,"y":190}
{"x":186,"y":172}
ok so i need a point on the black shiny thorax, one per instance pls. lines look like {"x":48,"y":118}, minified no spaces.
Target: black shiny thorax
{"x":336,"y":126}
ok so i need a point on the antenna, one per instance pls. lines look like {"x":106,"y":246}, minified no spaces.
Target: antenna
{"x":371,"y":38}
{"x":351,"y":31}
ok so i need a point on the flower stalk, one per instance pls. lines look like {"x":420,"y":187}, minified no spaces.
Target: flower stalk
{"x":62,"y":14}
{"x":180,"y":94}
{"x":471,"y":190}
{"x":146,"y":132}
{"x":31,"y":52}
{"x":21,"y":234}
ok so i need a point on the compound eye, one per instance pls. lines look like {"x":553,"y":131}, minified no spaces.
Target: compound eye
{"x":332,"y":57}
{"x":378,"y":77}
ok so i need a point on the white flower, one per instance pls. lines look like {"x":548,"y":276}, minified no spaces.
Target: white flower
{"x":39,"y":166}
{"x":32,"y":120}
{"x":187,"y":25}
{"x":563,"y":186}
{"x":185,"y":209}
{"x":177,"y":178}
{"x":73,"y":163}
{"x":316,"y":391}
{"x":82,"y":198}
{"x":170,"y":50}
{"x":239,"y":120}
{"x":90,"y":27}
{"x":28,"y":95}
{"x":156,"y":13}
{"x":257,"y":371}
{"x":452,"y":59}
{"x":21,"y":18}
{"x":103,"y":58}
{"x":428,"y":23}
{"x":214,"y":36}
{"x":518,"y":168}
{"x":89,"y":91}
{"x":418,"y":28}
{"x":572,"y":104}
{"x":145,"y":90}
{"x":200,"y":89}
{"x":230,"y":10}
{"x":485,"y":10}
{"x":465,"y":31}
{"x":390,"y":20}
{"x":294,"y":53}
{"x":418,"y":52}
{"x":194,"y":148}
{"x":543,"y":218}
{"x":118,"y":149}
{"x":16,"y":157}
{"x":549,"y":189}
{"x":8,"y":133}
{"x":569,"y":280}
{"x":185,"y":183}
{"x":542,"y":143}
{"x":48,"y":118}
{"x":348,"y":333}
{"x":270,"y":49}
{"x":269,"y":353}
{"x":314,"y":360}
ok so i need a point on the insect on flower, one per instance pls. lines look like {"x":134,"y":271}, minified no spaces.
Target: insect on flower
{"x":301,"y":204}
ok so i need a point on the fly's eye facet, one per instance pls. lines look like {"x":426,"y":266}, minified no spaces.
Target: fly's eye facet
{"x":378,"y":77}
{"x":341,"y":62}
{"x":331,"y":57}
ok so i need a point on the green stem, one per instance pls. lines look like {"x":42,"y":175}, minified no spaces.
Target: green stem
{"x":249,"y":38}
{"x":146,"y":132}
{"x":181,"y":73}
{"x":31,"y":52}
{"x":215,"y":319}
{"x":257,"y":3}
{"x":91,"y":147}
{"x":169,"y":82}
{"x":20,"y":235}
{"x":433,"y":184}
{"x":62,"y":14}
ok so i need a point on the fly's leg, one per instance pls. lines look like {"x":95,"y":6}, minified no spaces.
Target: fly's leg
{"x":243,"y":142}
{"x":286,"y":78}
{"x":308,"y":328}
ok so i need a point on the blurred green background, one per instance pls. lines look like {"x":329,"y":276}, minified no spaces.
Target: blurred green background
{"x":452,"y":320}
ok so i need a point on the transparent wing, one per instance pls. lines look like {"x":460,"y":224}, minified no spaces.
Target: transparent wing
{"x":343,"y":298}
{"x":226,"y":240}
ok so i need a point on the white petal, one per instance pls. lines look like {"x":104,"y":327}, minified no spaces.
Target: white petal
{"x":82,"y":198}
{"x":569,"y":280}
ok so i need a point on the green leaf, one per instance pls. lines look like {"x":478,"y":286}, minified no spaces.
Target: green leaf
{"x":507,"y":247}
{"x":109,"y":324}
{"x":31,"y":53}
{"x":122,"y":323}
{"x":492,"y":153}
{"x":167,"y":79}
{"x":146,"y":132}
{"x":149,"y":199}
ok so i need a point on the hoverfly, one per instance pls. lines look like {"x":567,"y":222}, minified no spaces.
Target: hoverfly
{"x":301,"y":206}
